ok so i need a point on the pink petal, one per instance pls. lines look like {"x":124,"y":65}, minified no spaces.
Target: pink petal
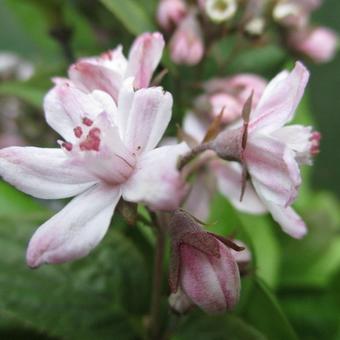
{"x":274,"y":172}
{"x":75,"y":230}
{"x":65,"y":106}
{"x":229,"y":182}
{"x":148,"y":118}
{"x":144,"y":56}
{"x":156,"y":180}
{"x":89,"y":76}
{"x":288,"y":219}
{"x":200,"y":196}
{"x":43,"y":173}
{"x":280,"y":100}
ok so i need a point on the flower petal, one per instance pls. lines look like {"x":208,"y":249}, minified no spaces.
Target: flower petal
{"x":65,"y":106}
{"x":156,"y":180}
{"x":43,"y":173}
{"x":298,"y":138}
{"x":229,"y":182}
{"x":273,"y":169}
{"x":194,"y":126}
{"x":90,"y":76}
{"x":200,"y":196}
{"x":144,"y":56}
{"x":148,"y":118}
{"x":75,"y":230}
{"x":280,"y":100}
{"x":288,"y":219}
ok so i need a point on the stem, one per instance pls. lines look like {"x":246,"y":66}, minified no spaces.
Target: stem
{"x":157,"y":281}
{"x":192,"y":154}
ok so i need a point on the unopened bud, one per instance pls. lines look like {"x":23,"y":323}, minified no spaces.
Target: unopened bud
{"x":220,"y":10}
{"x":202,"y":267}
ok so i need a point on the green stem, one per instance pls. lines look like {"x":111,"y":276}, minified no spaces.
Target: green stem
{"x":157,"y":282}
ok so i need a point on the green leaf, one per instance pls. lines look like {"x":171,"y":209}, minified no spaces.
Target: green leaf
{"x":131,"y":14}
{"x":265,"y":314}
{"x":99,"y":296}
{"x":222,"y":327}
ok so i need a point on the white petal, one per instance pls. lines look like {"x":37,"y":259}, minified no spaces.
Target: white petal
{"x":229,"y":182}
{"x":200,"y":196}
{"x":280,"y":100}
{"x":65,"y":106}
{"x":144,"y":56}
{"x":297,"y":138}
{"x":43,"y":173}
{"x":194,"y":126}
{"x":156,"y":180}
{"x":288,"y":219}
{"x":273,"y":169}
{"x":148,"y":118}
{"x":76,"y":229}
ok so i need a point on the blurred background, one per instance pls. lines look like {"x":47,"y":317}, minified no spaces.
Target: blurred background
{"x":301,"y":295}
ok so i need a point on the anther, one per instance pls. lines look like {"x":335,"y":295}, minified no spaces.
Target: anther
{"x":78,"y":132}
{"x":87,"y":121}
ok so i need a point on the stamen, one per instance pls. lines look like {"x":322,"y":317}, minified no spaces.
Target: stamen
{"x":92,"y":141}
{"x":78,"y":131}
{"x":87,"y":121}
{"x":67,"y":146}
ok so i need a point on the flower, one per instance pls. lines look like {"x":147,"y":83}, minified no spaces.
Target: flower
{"x":214,"y":172}
{"x":109,"y":152}
{"x":319,"y":44}
{"x":272,"y":152}
{"x":170,"y":13}
{"x":186,"y":45}
{"x":108,"y":71}
{"x":202,"y":267}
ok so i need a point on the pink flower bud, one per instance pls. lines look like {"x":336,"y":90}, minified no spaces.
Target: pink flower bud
{"x":170,"y":13}
{"x":202,"y":266}
{"x":186,"y":45}
{"x":318,"y":44}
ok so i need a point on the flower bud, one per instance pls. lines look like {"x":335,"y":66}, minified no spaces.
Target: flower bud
{"x":186,"y":45}
{"x":202,"y":266}
{"x":170,"y":13}
{"x":220,"y":10}
{"x":290,"y":14}
{"x":318,"y":44}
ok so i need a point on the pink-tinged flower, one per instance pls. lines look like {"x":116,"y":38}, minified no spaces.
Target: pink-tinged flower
{"x":229,"y":94}
{"x":186,"y":45}
{"x":108,"y":71}
{"x":319,"y":44}
{"x":213,"y":172}
{"x":271,"y":151}
{"x":108,"y":152}
{"x":170,"y":13}
{"x":202,"y":266}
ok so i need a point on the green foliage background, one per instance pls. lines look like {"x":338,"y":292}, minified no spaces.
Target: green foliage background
{"x":293,"y":289}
